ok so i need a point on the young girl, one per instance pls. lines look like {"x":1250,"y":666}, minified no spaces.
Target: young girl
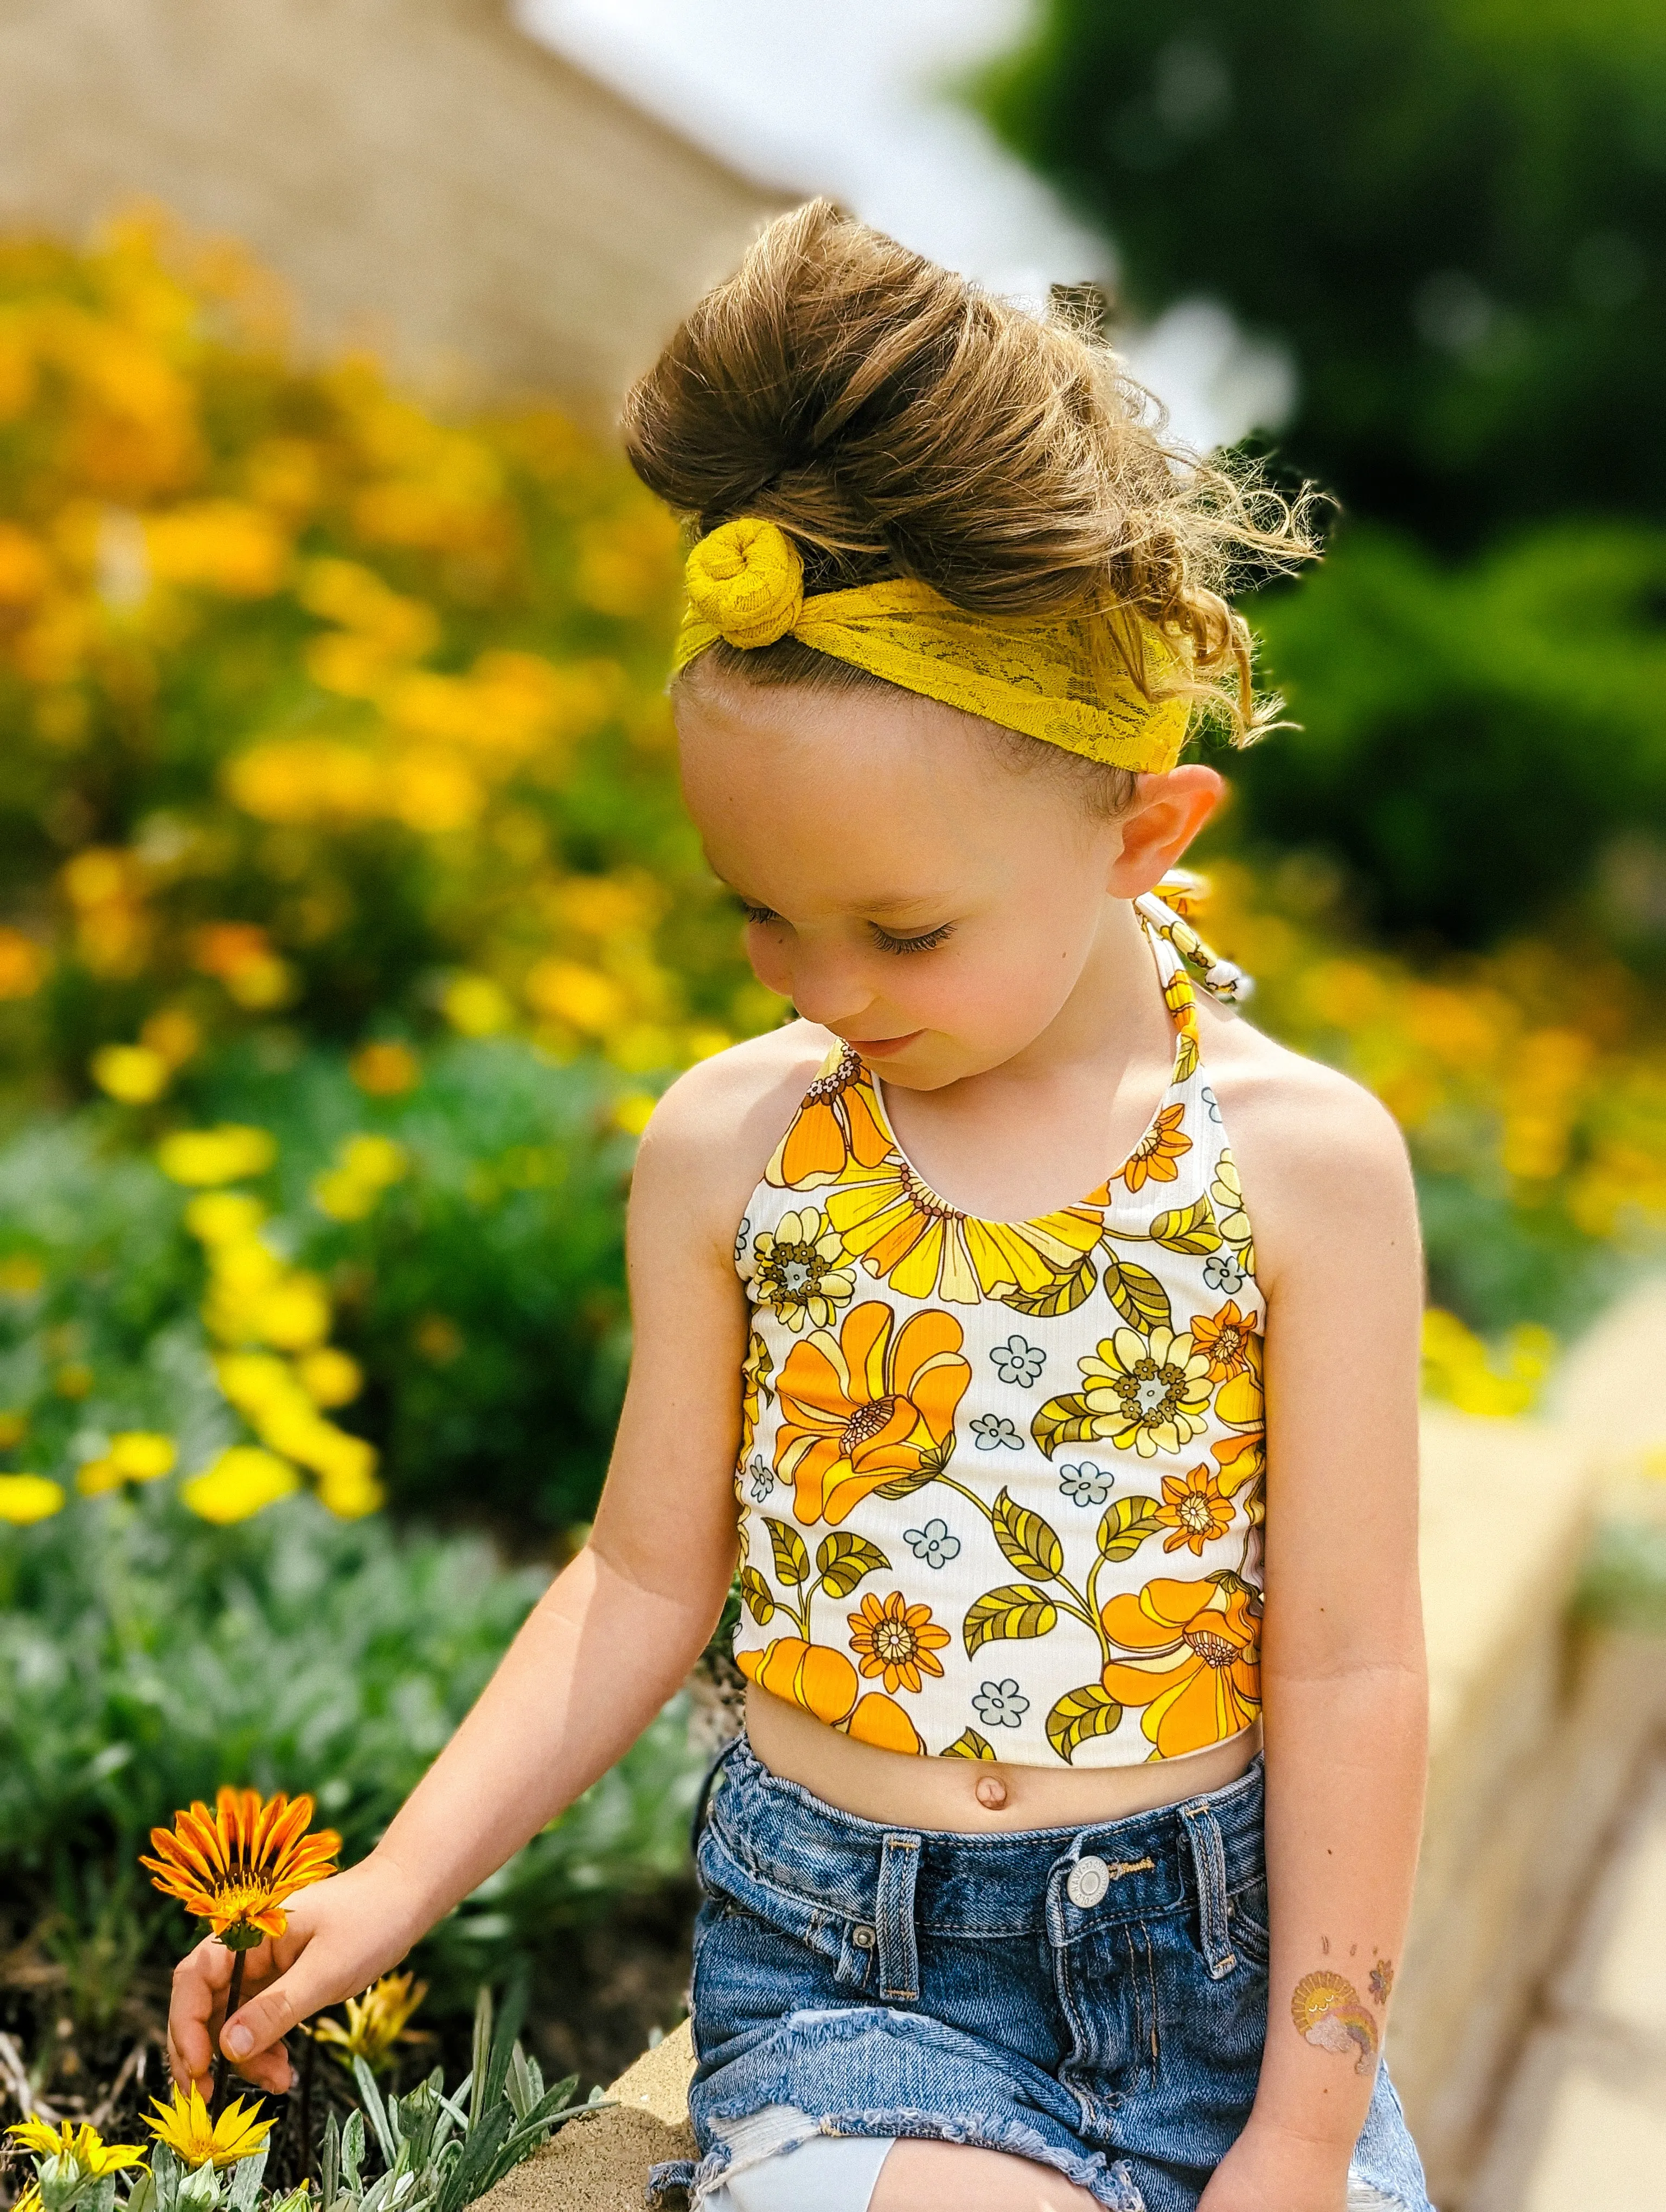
{"x":1057,"y":1481}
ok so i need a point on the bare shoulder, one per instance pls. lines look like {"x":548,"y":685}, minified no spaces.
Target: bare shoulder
{"x":1319,"y":1158}
{"x":711,"y":1134}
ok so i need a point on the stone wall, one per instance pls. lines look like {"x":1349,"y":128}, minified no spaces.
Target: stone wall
{"x":422,"y":175}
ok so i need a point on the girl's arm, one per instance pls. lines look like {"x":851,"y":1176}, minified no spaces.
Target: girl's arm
{"x":1330,"y":1193}
{"x":609,"y":1643}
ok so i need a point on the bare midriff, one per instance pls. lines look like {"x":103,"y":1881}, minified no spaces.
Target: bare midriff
{"x":965,"y":1796}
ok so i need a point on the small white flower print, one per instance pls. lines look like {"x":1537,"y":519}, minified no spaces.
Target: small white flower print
{"x":993,"y":1431}
{"x":1019,"y":1362}
{"x":1001,"y":1705}
{"x":763,"y":1479}
{"x":1085,"y":1485}
{"x":740,"y":1236}
{"x":1209,"y":1100}
{"x":934,"y":1544}
{"x":1222,"y":1273}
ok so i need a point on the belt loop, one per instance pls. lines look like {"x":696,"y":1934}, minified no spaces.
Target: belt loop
{"x":893,"y":1916}
{"x":1209,"y":1867}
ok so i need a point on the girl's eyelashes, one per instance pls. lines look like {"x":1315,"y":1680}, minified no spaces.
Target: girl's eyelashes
{"x":759,"y":913}
{"x":924,"y":943}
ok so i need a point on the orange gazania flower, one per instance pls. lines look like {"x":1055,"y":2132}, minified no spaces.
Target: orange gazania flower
{"x":867,"y":1407}
{"x":1229,"y":1339}
{"x":1197,"y":1671}
{"x":835,"y":1125}
{"x":1153,"y":1158}
{"x":897,"y":1640}
{"x":1193,"y":1509}
{"x":234,"y":1867}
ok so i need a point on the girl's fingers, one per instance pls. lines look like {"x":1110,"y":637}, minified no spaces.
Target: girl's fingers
{"x":200,"y":1982}
{"x":255,"y":2026}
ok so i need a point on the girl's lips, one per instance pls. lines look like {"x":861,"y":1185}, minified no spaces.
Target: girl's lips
{"x":882,"y":1048}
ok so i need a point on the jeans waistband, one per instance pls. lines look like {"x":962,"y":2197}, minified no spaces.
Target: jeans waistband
{"x":900,"y":1883}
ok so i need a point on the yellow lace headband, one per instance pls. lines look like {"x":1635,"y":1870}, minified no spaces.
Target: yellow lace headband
{"x":1056,"y":677}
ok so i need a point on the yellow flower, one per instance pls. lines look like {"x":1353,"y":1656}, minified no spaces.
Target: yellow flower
{"x":365,"y":1166}
{"x":133,"y":1074}
{"x":28,"y":1498}
{"x":477,"y":1007}
{"x":183,"y":2124}
{"x":901,"y":1230}
{"x":1150,"y":1392}
{"x":330,"y":1377}
{"x":224,"y":1216}
{"x":244,"y":1480}
{"x":897,"y":1640}
{"x":1193,"y":1509}
{"x":135,"y":1455}
{"x":234,"y":1867}
{"x":798,"y":1273}
{"x":385,"y":1068}
{"x":83,"y":2144}
{"x":377,"y":2023}
{"x":1231,"y":1219}
{"x":226,"y":1154}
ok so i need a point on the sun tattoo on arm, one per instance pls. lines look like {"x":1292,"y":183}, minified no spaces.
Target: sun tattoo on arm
{"x":1328,"y":2013}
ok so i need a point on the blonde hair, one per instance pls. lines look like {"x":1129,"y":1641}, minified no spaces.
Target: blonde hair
{"x":897,"y":421}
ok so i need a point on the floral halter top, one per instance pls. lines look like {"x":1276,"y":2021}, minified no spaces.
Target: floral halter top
{"x":1001,"y":1482}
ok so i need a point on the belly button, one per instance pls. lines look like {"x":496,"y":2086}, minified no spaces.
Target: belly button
{"x":991,"y":1792}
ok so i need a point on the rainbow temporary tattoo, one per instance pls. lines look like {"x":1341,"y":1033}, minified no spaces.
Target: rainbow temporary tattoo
{"x":1328,"y":2014}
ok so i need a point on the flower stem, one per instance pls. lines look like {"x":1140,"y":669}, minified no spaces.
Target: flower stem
{"x":221,"y":2064}
{"x":308,"y":2060}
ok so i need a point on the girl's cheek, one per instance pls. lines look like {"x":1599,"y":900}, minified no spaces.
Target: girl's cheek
{"x":769,"y":958}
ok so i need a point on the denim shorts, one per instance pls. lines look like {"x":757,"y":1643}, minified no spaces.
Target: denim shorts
{"x":1092,"y":1998}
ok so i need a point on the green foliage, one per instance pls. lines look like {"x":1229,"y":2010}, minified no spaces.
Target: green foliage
{"x":146,"y":1657}
{"x":1451,"y":209}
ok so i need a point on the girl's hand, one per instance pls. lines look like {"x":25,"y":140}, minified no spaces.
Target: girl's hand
{"x":1265,"y":2170}
{"x":342,"y":1934}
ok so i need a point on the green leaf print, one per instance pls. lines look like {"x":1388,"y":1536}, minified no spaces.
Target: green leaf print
{"x":792,"y":1560}
{"x":932,"y":1464}
{"x":756,"y":1596}
{"x":1188,"y":1229}
{"x":968,"y":1744}
{"x":1078,"y":1715}
{"x":1128,"y":1522}
{"x":1137,"y":1295}
{"x":1062,"y":1295}
{"x":844,"y":1560}
{"x":1003,"y":1615}
{"x":1066,"y":1420}
{"x":1026,"y":1542}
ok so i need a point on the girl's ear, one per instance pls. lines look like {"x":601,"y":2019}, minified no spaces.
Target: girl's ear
{"x":1167,"y":813}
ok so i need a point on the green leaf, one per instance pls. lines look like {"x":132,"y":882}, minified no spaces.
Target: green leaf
{"x":792,"y":1560}
{"x":1229,"y":1581}
{"x":1188,"y":1229}
{"x":758,"y":1598}
{"x":1127,"y":1523}
{"x":844,"y":1560}
{"x":1062,"y":1295}
{"x":1066,"y":1420}
{"x":1026,"y":1542}
{"x":1078,"y":1715}
{"x":968,"y":1744}
{"x":931,"y":1466}
{"x":1015,"y":1610}
{"x":1137,"y":1295}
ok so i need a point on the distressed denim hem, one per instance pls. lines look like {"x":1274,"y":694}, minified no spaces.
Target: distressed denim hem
{"x":1366,"y":2197}
{"x":1110,"y":2184}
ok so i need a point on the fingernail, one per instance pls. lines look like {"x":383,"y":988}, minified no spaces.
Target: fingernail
{"x":240,"y":2043}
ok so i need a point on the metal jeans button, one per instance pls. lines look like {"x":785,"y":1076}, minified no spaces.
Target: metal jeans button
{"x":1087,"y":1882}
{"x":862,"y":1937}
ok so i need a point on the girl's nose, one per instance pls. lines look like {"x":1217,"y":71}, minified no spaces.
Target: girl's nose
{"x":828,"y":991}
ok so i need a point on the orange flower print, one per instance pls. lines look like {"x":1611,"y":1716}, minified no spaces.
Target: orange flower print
{"x":823,"y":1681}
{"x":901,"y":1230}
{"x":1195,"y":1661}
{"x":873,"y":1406}
{"x":1226,"y":1338}
{"x":1194,"y":1510}
{"x":754,"y":1390}
{"x":835,"y":1125}
{"x":897,"y":1640}
{"x":1240,"y":1399}
{"x":1153,"y":1158}
{"x":1243,"y":1461}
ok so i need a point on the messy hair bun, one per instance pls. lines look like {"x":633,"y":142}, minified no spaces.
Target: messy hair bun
{"x":898,"y":421}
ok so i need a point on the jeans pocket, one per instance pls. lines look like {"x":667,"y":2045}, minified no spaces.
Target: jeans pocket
{"x":1247,"y":1919}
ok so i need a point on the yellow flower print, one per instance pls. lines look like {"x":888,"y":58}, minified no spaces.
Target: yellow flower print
{"x":1183,"y":1006}
{"x":797,"y":1272}
{"x":902,"y":1231}
{"x":1193,"y":1510}
{"x":1153,"y":1158}
{"x":1148,"y":1392}
{"x":1231,"y":1219}
{"x":835,"y":1126}
{"x":897,"y":1640}
{"x":1226,"y":1337}
{"x":1241,"y":1399}
{"x":1197,"y":1671}
{"x":1243,"y":1461}
{"x":755,"y":1390}
{"x":873,"y":1406}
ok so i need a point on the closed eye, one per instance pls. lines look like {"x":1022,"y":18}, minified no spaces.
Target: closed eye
{"x":759,"y":913}
{"x":887,"y":943}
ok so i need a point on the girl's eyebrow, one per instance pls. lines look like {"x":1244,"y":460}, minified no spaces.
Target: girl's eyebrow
{"x":901,"y":902}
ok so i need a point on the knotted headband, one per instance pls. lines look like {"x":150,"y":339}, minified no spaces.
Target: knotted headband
{"x":1058,"y":678}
